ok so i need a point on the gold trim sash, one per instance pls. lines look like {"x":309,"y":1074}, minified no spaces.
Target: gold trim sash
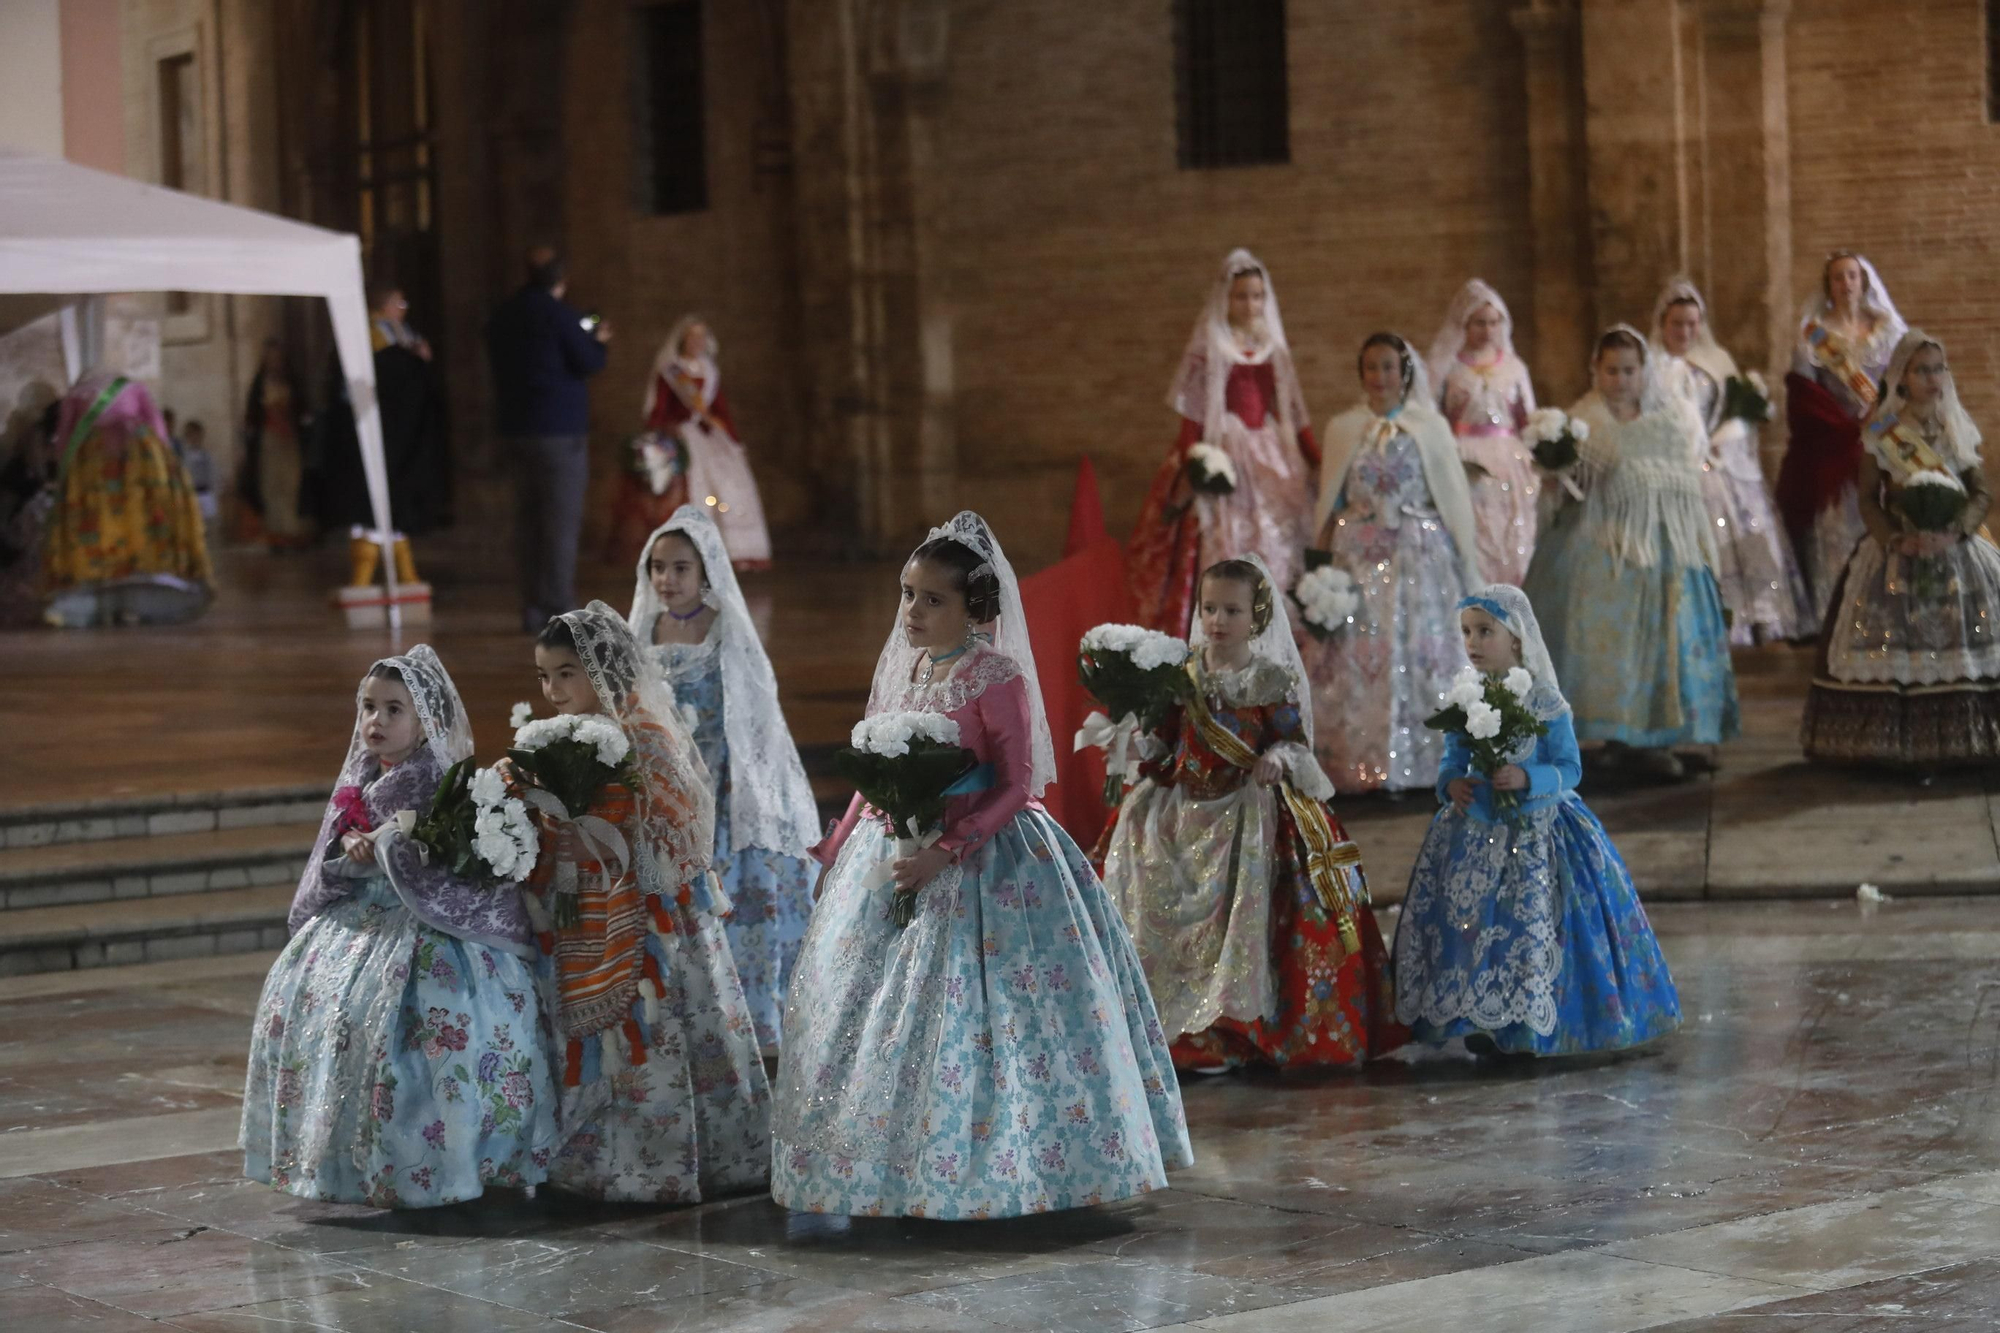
{"x":1836,"y":353}
{"x":1332,"y":865}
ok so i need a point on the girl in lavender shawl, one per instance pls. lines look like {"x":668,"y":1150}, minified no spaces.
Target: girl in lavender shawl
{"x":398,"y":1057}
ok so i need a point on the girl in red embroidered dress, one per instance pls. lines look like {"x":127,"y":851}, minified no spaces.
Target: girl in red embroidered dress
{"x":1237,"y":392}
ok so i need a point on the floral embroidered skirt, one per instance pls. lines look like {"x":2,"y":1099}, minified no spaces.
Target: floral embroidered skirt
{"x":1503,"y":504}
{"x":1909,"y":664}
{"x":683,"y":1114}
{"x":1243,"y":964}
{"x":1757,"y":572}
{"x":395,"y":1065}
{"x":1529,"y":932}
{"x":998,"y":1057}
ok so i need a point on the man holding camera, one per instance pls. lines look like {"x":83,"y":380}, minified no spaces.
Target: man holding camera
{"x":541,"y":350}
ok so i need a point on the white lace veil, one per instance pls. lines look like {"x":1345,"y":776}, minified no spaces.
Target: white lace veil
{"x":704,"y":366}
{"x":891,"y":690}
{"x":1450,"y":340}
{"x":439,"y":709}
{"x":1678,"y":292}
{"x":1962,"y":438}
{"x":1874,"y":295}
{"x":770,"y":799}
{"x":676,"y":801}
{"x":1656,"y":394}
{"x":1510,"y":606}
{"x":1199,"y":388}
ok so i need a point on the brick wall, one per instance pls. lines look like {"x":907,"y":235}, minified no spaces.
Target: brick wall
{"x":1080,"y":254}
{"x":1892,"y":155}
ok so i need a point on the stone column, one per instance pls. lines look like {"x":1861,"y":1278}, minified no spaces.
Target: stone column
{"x":1636,"y":131}
{"x":1557,"y":329}
{"x":1747,"y":152}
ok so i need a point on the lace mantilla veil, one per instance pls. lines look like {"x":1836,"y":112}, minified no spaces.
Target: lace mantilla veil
{"x":770,"y":798}
{"x":676,"y":800}
{"x":1510,"y":606}
{"x":1874,"y":296}
{"x":1277,"y":646}
{"x":1199,"y":390}
{"x":448,"y":736}
{"x":1450,"y":340}
{"x":1962,"y":438}
{"x":703,"y":366}
{"x":893,"y":691}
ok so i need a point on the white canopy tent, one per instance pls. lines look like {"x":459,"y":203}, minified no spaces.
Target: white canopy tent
{"x":69,"y":230}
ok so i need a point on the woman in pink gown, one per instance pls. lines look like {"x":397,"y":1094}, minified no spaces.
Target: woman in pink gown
{"x":1485,"y":393}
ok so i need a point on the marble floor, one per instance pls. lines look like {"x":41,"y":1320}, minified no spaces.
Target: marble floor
{"x":1818,"y":1149}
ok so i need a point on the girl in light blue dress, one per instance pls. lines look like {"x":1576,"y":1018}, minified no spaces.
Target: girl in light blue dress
{"x":399,"y":1057}
{"x":686,"y":604}
{"x":1000,"y":1055}
{"x":1521,"y":931}
{"x":1624,"y":572}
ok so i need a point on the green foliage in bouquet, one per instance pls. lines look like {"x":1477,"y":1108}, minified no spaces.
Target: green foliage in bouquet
{"x":1932,"y":508}
{"x":1743,"y":400}
{"x":1501,"y":718}
{"x":909,"y":788}
{"x":446,"y":828}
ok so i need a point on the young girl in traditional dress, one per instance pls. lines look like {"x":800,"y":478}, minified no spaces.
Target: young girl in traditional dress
{"x":1521,"y":931}
{"x":664,"y":1098}
{"x":1245,"y":895}
{"x":999,"y":1055}
{"x":1236,"y":392}
{"x":1624,"y":574}
{"x":1487,"y":396}
{"x":684,"y":398}
{"x":687,"y":607}
{"x":398,"y":1057}
{"x":1847,"y":333}
{"x":1396,"y":514}
{"x":1756,"y":569}
{"x":1909,"y":664}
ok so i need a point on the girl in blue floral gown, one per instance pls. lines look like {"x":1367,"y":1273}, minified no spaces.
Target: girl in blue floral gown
{"x":1521,"y":931}
{"x":687,"y":605}
{"x":1624,"y":573}
{"x":1001,"y":1054}
{"x":398,"y":1057}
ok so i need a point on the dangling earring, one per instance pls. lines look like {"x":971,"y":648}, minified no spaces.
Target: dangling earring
{"x":971,"y":634}
{"x":708,"y":597}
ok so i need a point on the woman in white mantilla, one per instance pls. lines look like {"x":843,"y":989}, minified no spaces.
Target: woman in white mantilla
{"x":1396,"y":517}
{"x":1485,"y":393}
{"x":1624,"y":573}
{"x":1756,"y":569}
{"x":689,"y":611}
{"x":1909,"y":669}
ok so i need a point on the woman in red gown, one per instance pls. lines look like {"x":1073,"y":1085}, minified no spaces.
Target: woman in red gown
{"x":1237,"y":393}
{"x":686,"y":410}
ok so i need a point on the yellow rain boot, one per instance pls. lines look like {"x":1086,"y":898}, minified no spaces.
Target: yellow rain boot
{"x":406,"y":563}
{"x":366,"y":555}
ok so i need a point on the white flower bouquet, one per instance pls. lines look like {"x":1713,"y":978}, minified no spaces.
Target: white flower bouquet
{"x":1328,"y":599}
{"x":1210,"y":470}
{"x":903,"y":764}
{"x":1931,"y":502}
{"x":475,"y":829}
{"x":1491,"y":712}
{"x":1552,"y":436}
{"x":569,"y":759}
{"x":1138,"y":674}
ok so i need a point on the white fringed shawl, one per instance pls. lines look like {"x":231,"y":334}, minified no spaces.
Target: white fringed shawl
{"x":1640,"y":479}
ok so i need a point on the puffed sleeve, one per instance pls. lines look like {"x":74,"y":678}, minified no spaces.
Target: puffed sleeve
{"x":827,"y":850}
{"x":1004,"y":717}
{"x":1558,"y":762}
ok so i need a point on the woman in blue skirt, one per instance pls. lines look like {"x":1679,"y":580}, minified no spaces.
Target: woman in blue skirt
{"x":1521,"y":931}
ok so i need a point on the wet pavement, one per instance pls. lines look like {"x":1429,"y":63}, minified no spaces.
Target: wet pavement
{"x":1818,"y":1148}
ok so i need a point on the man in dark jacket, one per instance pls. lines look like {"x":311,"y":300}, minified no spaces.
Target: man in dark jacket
{"x":541,"y":351}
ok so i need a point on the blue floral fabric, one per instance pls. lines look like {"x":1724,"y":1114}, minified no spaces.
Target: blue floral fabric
{"x":1529,"y":929}
{"x":1643,"y":654}
{"x":770,"y":892}
{"x":395,"y":1065}
{"x":999,"y":1056}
